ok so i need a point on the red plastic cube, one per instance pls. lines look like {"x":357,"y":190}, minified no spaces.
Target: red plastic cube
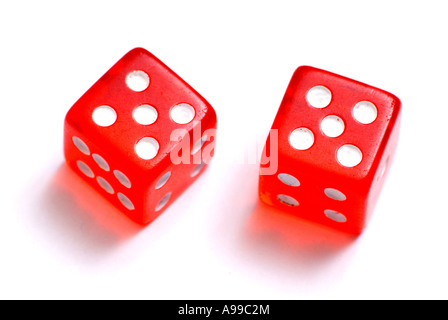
{"x":336,"y":140}
{"x":140,"y":135}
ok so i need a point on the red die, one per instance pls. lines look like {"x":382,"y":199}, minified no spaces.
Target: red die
{"x":135,"y":136}
{"x":336,"y":139}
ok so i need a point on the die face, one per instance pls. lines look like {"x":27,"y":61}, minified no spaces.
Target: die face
{"x":164,"y":92}
{"x":129,"y":117}
{"x":297,"y":112}
{"x":103,"y":173}
{"x":172,"y":182}
{"x":331,"y":192}
{"x":345,"y":210}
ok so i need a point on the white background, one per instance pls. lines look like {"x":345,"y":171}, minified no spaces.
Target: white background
{"x":215,"y":241}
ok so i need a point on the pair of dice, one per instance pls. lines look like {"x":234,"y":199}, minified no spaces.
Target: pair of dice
{"x":141,"y":135}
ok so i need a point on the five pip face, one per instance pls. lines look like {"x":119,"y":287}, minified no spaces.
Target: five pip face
{"x":141,"y":135}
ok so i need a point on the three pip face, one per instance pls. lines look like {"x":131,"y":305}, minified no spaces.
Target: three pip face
{"x":141,"y":135}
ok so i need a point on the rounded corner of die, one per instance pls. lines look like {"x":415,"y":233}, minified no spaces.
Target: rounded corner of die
{"x":68,"y":119}
{"x":136,"y":52}
{"x":206,"y":115}
{"x":302,"y":69}
{"x":395,"y":108}
{"x":397,"y":104}
{"x":393,"y":101}
{"x":211,"y":113}
{"x":305,"y":69}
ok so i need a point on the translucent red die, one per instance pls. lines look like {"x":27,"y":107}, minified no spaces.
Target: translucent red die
{"x":140,"y":135}
{"x":336,"y":140}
